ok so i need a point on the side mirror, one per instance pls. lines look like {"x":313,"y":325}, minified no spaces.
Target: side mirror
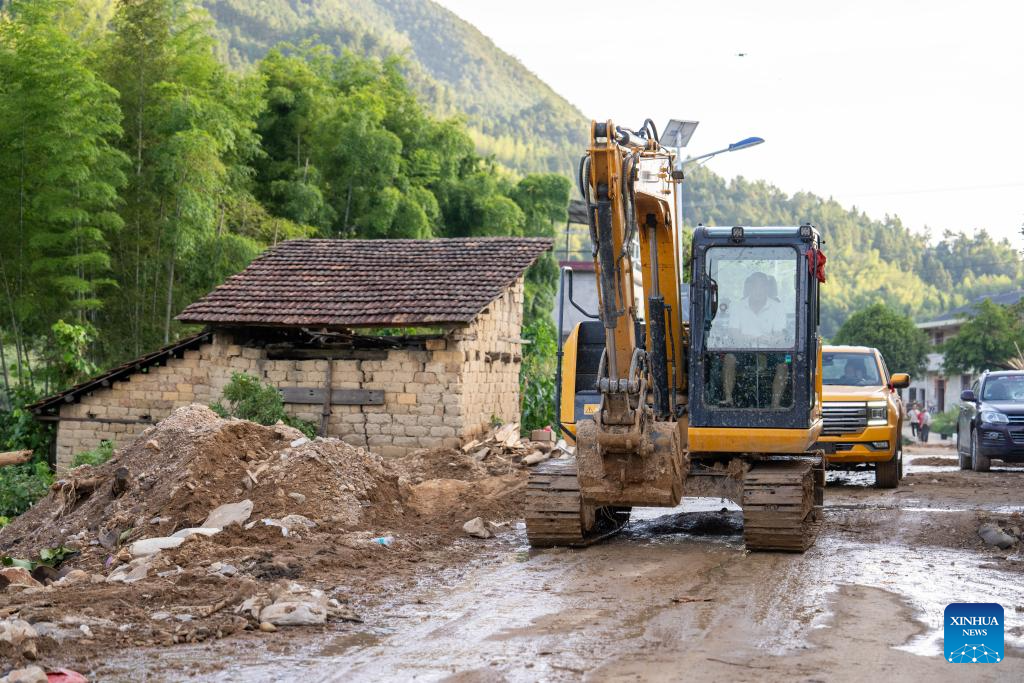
{"x":900,"y":380}
{"x":968,"y":396}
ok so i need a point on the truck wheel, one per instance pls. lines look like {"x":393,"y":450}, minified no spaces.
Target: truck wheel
{"x":887,"y":473}
{"x":979,"y":462}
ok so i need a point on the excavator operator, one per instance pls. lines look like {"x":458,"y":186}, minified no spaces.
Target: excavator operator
{"x":758,"y":319}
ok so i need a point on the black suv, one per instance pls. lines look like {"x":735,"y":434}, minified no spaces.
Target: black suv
{"x":991,"y":421}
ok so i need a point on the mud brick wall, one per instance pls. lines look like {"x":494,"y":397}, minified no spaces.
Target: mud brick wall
{"x":435,"y":397}
{"x":492,"y":357}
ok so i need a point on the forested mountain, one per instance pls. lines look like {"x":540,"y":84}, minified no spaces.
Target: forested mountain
{"x":512,"y":114}
{"x":869,"y":260}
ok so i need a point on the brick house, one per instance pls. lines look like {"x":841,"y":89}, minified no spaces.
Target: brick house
{"x":312,"y":317}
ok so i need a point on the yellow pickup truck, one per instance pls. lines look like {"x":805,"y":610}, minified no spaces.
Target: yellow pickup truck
{"x":863,"y":413}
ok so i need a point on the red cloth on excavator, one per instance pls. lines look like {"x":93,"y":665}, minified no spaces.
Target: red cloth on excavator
{"x":816,"y":264}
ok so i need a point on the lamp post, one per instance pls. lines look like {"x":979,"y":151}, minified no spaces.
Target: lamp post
{"x":677,"y":134}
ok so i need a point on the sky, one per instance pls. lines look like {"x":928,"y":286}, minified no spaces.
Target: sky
{"x":896,"y":107}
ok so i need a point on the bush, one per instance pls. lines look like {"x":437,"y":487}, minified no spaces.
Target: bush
{"x":23,"y":485}
{"x":249,"y":399}
{"x":944,"y":423}
{"x":537,"y":378}
{"x":96,"y":456}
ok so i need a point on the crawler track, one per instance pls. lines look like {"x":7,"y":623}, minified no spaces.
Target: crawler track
{"x":782,"y":504}
{"x":556,"y":514}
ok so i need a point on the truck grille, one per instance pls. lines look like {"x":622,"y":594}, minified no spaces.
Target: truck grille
{"x":1016,"y":419}
{"x":844,"y":418}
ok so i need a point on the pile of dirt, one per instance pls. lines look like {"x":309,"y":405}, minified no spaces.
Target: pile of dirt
{"x":934,"y":461}
{"x":316,"y":529}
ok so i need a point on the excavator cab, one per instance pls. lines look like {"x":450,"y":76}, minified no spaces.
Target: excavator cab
{"x":754,"y":373}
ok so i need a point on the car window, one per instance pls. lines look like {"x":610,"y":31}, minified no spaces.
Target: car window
{"x":849,"y":368}
{"x":885,"y":368}
{"x":1005,"y":388}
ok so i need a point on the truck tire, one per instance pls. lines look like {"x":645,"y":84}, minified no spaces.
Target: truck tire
{"x":979,"y":462}
{"x":887,"y":474}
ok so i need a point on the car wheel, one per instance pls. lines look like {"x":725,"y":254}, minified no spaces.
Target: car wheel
{"x":887,"y":473}
{"x":965,"y":458}
{"x":979,"y":462}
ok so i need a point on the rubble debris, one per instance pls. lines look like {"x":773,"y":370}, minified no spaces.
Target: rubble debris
{"x":29,"y":674}
{"x":20,"y":635}
{"x":65,"y":676}
{"x":542,"y":435}
{"x":536,"y":457}
{"x":994,"y":535}
{"x":228,"y":514}
{"x":182,"y":555}
{"x":149,"y":546}
{"x":477,"y":527}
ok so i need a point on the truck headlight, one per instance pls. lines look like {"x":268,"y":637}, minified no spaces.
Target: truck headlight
{"x":994,"y":417}
{"x":878,"y":413}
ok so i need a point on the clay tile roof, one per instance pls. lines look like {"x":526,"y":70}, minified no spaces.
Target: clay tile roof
{"x":369,"y":283}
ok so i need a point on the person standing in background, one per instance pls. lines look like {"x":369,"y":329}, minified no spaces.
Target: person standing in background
{"x":913,"y":415}
{"x":926,"y":424}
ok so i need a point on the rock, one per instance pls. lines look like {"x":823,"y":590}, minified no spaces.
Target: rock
{"x":297,"y":497}
{"x":192,"y":531}
{"x":536,"y":457}
{"x":223,"y":568}
{"x":136,"y":570}
{"x":72,"y":577}
{"x":16,"y":631}
{"x":45,"y":574}
{"x":18,"y":576}
{"x":267,"y":627}
{"x":297,"y":613}
{"x":993,"y":535}
{"x":301,"y":441}
{"x":160,"y":616}
{"x":153,"y":445}
{"x":477,"y":527}
{"x":151,"y":546}
{"x":289,"y":522}
{"x":30,"y":674}
{"x":231,"y":513}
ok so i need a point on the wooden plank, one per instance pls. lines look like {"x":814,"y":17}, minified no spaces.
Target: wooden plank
{"x":14,"y":457}
{"x":339,"y":397}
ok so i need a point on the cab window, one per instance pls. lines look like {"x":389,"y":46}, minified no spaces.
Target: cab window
{"x":849,"y":369}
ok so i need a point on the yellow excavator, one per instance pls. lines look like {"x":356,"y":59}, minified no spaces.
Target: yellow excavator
{"x":726,"y":404}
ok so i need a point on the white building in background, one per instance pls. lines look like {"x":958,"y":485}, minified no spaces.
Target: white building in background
{"x":937,"y":390}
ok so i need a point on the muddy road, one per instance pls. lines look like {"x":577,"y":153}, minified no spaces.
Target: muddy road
{"x":674,"y":597}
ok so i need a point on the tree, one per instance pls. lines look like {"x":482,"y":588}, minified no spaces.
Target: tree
{"x":903,"y":346}
{"x":985,"y":342}
{"x":190,"y":131}
{"x":59,"y":175}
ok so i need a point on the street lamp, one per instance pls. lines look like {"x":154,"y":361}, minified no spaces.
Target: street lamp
{"x":677,"y":134}
{"x":745,"y":143}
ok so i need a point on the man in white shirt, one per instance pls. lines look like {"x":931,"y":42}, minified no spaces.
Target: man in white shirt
{"x":758,"y":320}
